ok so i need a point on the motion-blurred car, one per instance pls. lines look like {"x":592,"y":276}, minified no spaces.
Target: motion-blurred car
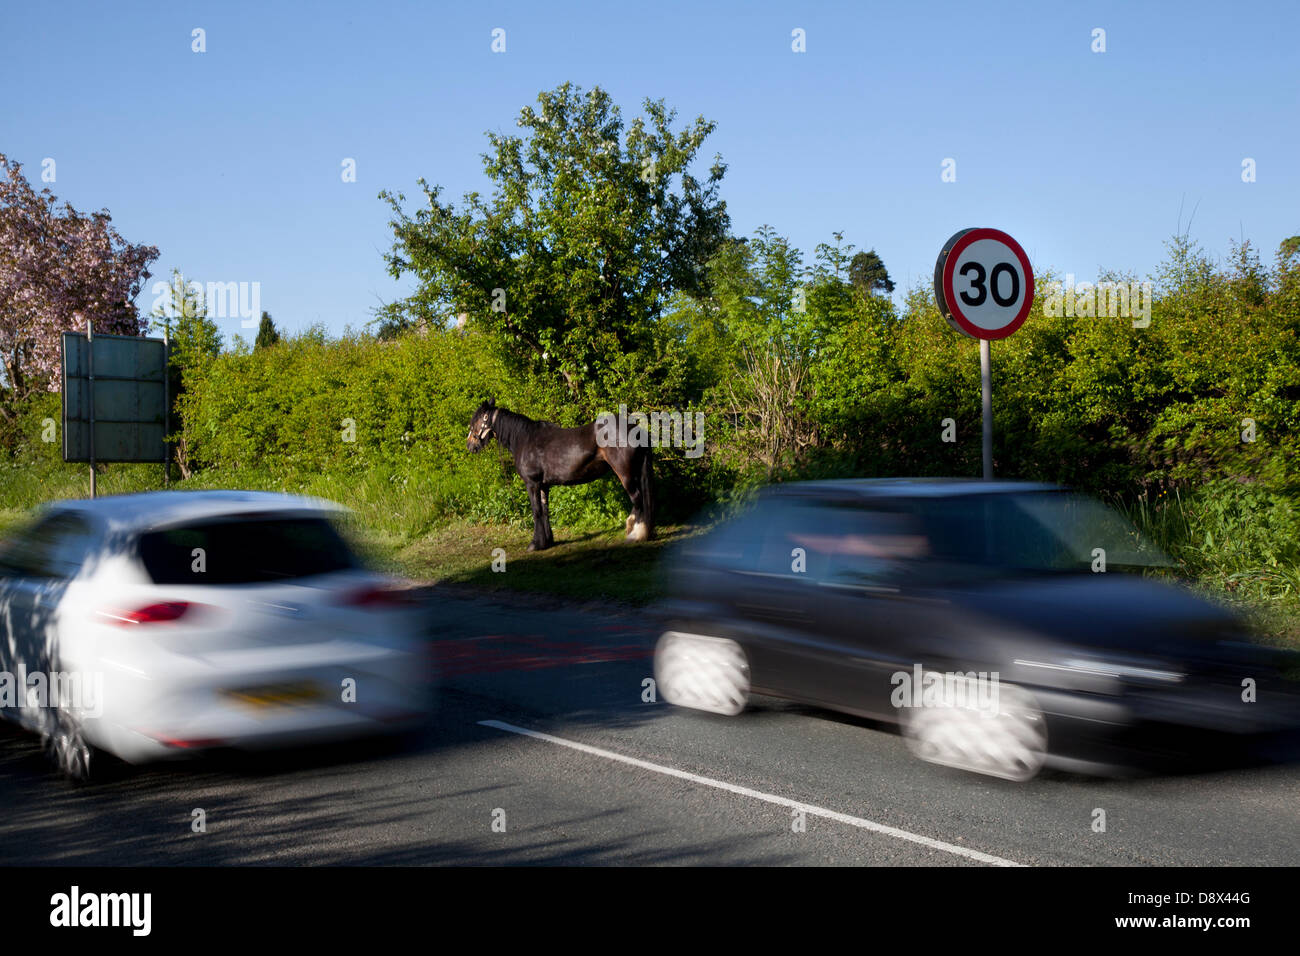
{"x":999,"y":624}
{"x":164,"y":624}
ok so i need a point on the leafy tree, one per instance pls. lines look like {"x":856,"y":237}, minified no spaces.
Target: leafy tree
{"x":390,"y":325}
{"x":591,"y":227}
{"x":830,"y":294}
{"x":833,"y":261}
{"x":267,"y":335}
{"x":868,"y":274}
{"x":59,"y":270}
{"x":195,"y":341}
{"x":759,"y":335}
{"x":1288,"y":250}
{"x":183,"y":318}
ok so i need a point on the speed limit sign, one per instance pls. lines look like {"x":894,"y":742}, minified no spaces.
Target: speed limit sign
{"x":985,"y":288}
{"x":983,"y":283}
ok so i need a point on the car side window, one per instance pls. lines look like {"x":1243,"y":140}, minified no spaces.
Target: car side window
{"x":869,"y":548}
{"x":821,"y":542}
{"x":814,"y":541}
{"x":733,"y":545}
{"x":54,"y":547}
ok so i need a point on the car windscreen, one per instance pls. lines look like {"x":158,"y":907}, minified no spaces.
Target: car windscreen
{"x":244,"y":550}
{"x":1035,"y":531}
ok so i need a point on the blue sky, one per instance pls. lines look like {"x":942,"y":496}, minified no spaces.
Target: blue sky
{"x":229,"y":160}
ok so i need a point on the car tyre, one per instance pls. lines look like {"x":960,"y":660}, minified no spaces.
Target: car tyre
{"x":702,"y":672}
{"x":1010,"y":742}
{"x":67,"y":749}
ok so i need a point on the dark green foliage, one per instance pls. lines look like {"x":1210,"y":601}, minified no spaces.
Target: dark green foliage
{"x":591,"y":226}
{"x":869,"y":275}
{"x":267,"y":334}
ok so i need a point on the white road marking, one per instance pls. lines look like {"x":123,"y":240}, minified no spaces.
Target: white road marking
{"x":759,"y":795}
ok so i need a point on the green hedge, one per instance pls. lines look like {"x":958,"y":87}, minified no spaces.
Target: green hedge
{"x":1151,"y":418}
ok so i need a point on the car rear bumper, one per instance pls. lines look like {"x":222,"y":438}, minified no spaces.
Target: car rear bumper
{"x":258,"y":702}
{"x":311,"y":726}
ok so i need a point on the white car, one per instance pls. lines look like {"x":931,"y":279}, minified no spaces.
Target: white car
{"x":163,"y":624}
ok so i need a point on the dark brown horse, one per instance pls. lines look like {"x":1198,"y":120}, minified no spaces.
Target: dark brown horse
{"x":546,"y":455}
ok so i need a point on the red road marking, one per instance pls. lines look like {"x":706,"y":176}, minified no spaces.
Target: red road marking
{"x":474,"y":656}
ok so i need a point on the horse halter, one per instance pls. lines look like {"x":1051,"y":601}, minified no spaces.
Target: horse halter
{"x":486,"y":426}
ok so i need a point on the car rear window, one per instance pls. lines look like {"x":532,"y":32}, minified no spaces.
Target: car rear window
{"x":244,"y":551}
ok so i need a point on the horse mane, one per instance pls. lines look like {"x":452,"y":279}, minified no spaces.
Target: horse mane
{"x":510,"y":427}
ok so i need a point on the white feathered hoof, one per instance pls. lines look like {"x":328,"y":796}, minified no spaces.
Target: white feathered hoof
{"x":640,"y":531}
{"x":627,"y":525}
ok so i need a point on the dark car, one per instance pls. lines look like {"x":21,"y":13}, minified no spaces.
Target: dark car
{"x":1004,"y":626}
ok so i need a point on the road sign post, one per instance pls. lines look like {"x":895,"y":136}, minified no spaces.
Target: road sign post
{"x":115,"y":399}
{"x":986,"y":401}
{"x":984,"y":286}
{"x":90,"y":390}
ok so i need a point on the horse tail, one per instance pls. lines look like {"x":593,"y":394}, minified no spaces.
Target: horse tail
{"x":648,"y":493}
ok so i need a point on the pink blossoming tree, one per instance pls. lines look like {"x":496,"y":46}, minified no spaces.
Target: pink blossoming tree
{"x":59,"y":268}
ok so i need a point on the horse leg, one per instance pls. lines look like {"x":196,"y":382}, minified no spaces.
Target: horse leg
{"x":639,"y":530}
{"x":635,"y":527}
{"x":540,"y":531}
{"x":641,"y":471}
{"x":545,"y":496}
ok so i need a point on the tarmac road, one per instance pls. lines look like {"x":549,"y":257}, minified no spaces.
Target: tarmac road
{"x":542,"y":729}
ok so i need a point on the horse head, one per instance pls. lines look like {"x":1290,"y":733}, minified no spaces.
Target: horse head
{"x":480,"y":426}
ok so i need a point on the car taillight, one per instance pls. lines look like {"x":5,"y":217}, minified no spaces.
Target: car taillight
{"x":377,"y":597}
{"x":158,"y":613}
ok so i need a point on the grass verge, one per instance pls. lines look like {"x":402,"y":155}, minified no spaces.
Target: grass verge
{"x":1235,"y":549}
{"x":583,"y":565}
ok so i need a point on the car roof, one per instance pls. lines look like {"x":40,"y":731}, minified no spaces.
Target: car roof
{"x":151,"y":509}
{"x":903,"y":487}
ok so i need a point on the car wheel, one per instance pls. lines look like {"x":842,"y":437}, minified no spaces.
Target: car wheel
{"x":1007,"y":741}
{"x":66,"y":747}
{"x":703,"y":673}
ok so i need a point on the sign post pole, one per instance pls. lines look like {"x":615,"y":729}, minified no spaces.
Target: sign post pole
{"x":984,"y":286}
{"x":90,"y":391}
{"x":167,"y":405}
{"x":986,"y":391}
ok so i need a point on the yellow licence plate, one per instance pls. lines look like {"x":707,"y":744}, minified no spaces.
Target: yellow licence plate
{"x":289,"y":694}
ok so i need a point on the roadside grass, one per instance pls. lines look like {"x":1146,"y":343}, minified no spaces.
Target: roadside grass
{"x":592,"y":565}
{"x":1234,"y":543}
{"x":1239,"y":544}
{"x":11,"y":518}
{"x":1277,"y":622}
{"x":600,"y":566}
